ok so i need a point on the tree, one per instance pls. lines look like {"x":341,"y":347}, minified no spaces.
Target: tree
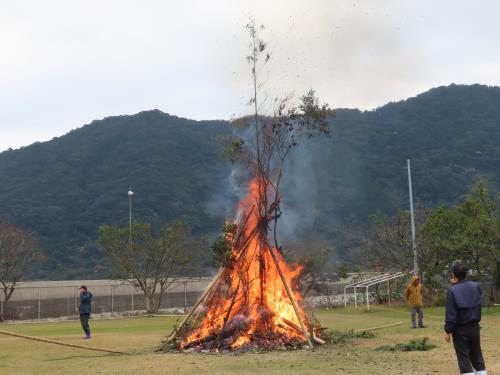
{"x":470,"y":232}
{"x":317,"y":269}
{"x":150,"y":263}
{"x":391,"y":242}
{"x":17,"y":250}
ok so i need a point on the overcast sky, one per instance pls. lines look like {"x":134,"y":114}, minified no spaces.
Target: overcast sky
{"x":66,"y":63}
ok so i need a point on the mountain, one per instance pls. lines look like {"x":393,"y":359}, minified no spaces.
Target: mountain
{"x":451,"y":133}
{"x":65,"y":188}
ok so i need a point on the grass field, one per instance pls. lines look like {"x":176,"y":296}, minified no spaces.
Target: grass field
{"x":139,"y":337}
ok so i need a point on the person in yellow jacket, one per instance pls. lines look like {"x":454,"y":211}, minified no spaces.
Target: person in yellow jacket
{"x":414,"y":298}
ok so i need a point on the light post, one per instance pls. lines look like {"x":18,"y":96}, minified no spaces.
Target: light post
{"x":130,"y":195}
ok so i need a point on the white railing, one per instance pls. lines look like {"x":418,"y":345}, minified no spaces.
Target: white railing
{"x":367,"y":283}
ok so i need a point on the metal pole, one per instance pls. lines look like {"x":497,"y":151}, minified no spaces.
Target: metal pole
{"x":389,"y":292}
{"x":345,"y":298}
{"x":76,"y":299}
{"x":355,"y":298}
{"x":185,"y":295}
{"x":367,"y":299}
{"x":112,"y":299}
{"x":412,"y":216}
{"x":39,"y":304}
{"x":130,"y":194}
{"x":132,"y":294}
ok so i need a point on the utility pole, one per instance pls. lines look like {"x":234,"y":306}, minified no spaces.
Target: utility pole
{"x":130,"y":194}
{"x":412,"y":216}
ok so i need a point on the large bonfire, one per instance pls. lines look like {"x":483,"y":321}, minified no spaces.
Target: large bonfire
{"x":254,"y":301}
{"x":248,"y":305}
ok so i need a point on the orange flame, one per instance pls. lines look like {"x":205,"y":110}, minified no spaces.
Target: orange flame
{"x":251,"y":297}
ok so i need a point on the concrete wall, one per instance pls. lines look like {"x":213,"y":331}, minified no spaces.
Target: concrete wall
{"x":52,"y":299}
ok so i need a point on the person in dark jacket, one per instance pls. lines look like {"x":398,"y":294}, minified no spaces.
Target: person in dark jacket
{"x":85,"y":309}
{"x":463,"y":314}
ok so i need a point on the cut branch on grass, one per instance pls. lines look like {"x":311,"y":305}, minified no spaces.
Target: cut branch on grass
{"x":378,"y":327}
{"x":49,"y":341}
{"x":413,"y":345}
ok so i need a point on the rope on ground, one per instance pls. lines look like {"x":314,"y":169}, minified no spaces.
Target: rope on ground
{"x":48,"y":341}
{"x":379,"y":327}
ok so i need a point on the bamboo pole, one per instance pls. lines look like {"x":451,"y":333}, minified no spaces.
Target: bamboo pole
{"x":207,"y":291}
{"x":233,"y":300}
{"x":200,"y":300}
{"x":158,"y":315}
{"x":297,"y":329}
{"x":203,"y":296}
{"x":243,"y":226}
{"x":379,"y":327}
{"x":48,"y":341}
{"x":291,"y":297}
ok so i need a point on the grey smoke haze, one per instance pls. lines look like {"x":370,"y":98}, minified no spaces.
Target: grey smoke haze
{"x":66,"y":63}
{"x":230,"y":191}
{"x":299,"y":201}
{"x":298,"y":188}
{"x":234,"y":187}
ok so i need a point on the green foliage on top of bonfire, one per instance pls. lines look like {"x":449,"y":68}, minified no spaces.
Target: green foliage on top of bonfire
{"x":221,"y":252}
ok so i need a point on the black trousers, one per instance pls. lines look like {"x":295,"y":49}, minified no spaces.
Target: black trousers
{"x":84,"y":319}
{"x":467,"y":345}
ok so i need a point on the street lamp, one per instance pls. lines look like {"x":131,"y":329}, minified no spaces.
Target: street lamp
{"x":130,"y":194}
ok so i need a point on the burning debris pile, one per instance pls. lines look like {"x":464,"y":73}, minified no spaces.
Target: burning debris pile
{"x":253,"y":303}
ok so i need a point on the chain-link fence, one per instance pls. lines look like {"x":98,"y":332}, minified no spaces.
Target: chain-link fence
{"x":54,"y":299}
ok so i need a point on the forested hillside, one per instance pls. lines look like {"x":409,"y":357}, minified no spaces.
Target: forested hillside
{"x":64,"y":189}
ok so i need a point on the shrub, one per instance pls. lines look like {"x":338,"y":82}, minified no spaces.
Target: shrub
{"x":413,"y":345}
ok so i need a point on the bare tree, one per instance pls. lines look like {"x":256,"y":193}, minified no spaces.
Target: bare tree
{"x":391,"y":246}
{"x":148,"y":262}
{"x":317,"y":269}
{"x":17,"y":250}
{"x":391,"y":239}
